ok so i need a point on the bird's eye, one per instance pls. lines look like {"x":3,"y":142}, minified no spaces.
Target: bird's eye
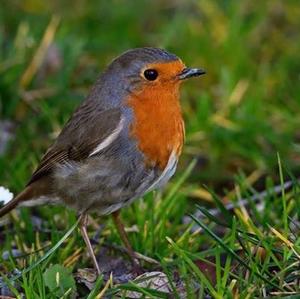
{"x":150,"y":74}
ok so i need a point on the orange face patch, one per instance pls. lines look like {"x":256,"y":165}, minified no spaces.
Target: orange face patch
{"x":167,"y":71}
{"x":158,"y":125}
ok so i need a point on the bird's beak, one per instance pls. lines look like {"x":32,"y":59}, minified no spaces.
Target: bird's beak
{"x":190,"y":72}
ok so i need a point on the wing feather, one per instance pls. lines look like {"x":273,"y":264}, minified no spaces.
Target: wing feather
{"x":85,"y":130}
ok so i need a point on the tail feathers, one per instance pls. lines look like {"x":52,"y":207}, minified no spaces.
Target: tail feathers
{"x":37,"y":193}
{"x":24,"y":195}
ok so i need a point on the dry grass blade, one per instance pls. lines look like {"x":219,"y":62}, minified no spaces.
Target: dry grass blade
{"x":40,"y":52}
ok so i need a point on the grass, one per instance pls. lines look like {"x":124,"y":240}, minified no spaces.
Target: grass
{"x":242,"y":144}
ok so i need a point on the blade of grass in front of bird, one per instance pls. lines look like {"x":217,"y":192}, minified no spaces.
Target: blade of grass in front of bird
{"x":175,"y":188}
{"x":169,"y":201}
{"x":194,"y":268}
{"x":234,"y":255}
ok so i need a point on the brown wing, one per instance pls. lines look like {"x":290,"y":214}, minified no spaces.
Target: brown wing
{"x":87,"y":128}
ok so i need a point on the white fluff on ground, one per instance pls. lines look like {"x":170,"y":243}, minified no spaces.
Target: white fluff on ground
{"x":5,"y":195}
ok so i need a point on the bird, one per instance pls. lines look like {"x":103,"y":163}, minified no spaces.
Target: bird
{"x":123,"y":141}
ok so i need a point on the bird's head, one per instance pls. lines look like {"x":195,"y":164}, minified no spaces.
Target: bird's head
{"x":150,"y":68}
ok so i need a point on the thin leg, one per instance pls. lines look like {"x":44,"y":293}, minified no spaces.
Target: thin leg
{"x":83,"y":224}
{"x":120,"y":228}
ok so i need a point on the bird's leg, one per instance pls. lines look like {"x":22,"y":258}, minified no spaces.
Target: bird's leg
{"x":83,"y":224}
{"x":121,"y":230}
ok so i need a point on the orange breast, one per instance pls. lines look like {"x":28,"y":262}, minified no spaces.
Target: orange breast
{"x":158,"y":126}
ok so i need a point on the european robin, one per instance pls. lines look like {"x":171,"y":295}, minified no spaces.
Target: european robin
{"x":123,"y":141}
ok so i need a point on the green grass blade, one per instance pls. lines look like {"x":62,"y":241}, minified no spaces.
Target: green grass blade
{"x":96,"y":288}
{"x":233,"y":254}
{"x":227,"y":215}
{"x":212,"y":217}
{"x":194,"y":268}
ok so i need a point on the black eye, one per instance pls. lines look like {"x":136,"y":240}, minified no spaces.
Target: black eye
{"x":150,"y":74}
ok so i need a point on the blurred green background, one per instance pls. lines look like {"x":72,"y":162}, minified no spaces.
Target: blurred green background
{"x":244,"y":111}
{"x":238,"y":118}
